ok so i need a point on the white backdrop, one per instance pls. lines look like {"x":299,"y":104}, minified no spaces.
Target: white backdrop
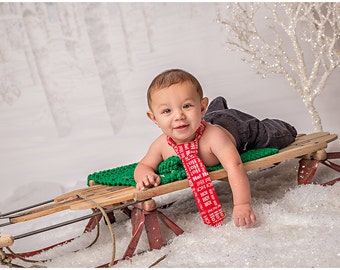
{"x":55,"y":56}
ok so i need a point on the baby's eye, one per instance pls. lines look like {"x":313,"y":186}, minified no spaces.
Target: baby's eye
{"x":187,"y":106}
{"x":166,"y":111}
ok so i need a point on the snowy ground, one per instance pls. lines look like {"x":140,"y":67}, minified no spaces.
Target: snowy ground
{"x":296,"y":227}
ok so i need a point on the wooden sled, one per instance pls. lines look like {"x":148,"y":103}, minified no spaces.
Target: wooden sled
{"x":310,"y":149}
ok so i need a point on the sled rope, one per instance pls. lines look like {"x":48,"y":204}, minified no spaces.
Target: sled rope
{"x":106,"y":217}
{"x":17,"y":256}
{"x":97,"y":235}
{"x":158,"y":261}
{"x":5,"y":260}
{"x":169,"y":170}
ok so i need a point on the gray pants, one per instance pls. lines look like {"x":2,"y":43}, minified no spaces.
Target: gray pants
{"x":248,"y":131}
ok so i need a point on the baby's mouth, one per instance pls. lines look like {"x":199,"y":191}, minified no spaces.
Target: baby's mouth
{"x":181,"y":127}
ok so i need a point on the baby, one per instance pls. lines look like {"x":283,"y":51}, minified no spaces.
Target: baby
{"x":177,"y":105}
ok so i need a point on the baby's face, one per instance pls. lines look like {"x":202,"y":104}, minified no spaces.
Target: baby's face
{"x":178,"y":110}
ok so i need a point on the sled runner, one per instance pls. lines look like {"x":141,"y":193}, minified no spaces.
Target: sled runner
{"x":104,"y":199}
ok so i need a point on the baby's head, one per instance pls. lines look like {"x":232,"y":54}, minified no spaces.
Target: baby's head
{"x":170,"y":77}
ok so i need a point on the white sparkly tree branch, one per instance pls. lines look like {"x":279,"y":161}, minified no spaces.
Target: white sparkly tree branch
{"x":299,"y":42}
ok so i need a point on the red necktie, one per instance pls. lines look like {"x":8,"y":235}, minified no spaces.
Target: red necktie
{"x":199,"y":179}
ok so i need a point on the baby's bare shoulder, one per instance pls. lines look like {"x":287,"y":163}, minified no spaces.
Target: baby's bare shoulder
{"x":212,"y":130}
{"x":160,"y":141}
{"x":218,"y":134}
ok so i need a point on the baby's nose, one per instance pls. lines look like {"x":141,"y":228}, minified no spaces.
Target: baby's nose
{"x":180,"y":115}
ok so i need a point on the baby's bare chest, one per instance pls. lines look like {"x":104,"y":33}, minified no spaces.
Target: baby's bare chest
{"x":205,"y":154}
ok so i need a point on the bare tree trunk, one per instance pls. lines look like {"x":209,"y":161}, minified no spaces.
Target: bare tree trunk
{"x":38,"y":42}
{"x":125,"y":33}
{"x":68,"y":26}
{"x":10,"y":43}
{"x":96,"y":19}
{"x":147,"y":10}
{"x":316,"y":119}
{"x":26,"y":47}
{"x":41,"y":12}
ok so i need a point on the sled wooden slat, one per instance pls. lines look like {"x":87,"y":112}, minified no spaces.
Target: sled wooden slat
{"x":298,"y":150}
{"x":97,"y":191}
{"x":304,"y":145}
{"x":85,"y":191}
{"x":91,"y":193}
{"x":119,"y":196}
{"x":307,"y":137}
{"x":62,"y":202}
{"x":42,"y":211}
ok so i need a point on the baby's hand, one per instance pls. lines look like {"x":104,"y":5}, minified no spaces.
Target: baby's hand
{"x":148,"y":181}
{"x":243,"y":215}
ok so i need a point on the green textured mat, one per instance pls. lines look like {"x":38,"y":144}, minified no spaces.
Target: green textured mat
{"x":169,"y":170}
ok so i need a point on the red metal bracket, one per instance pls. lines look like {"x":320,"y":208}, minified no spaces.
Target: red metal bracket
{"x":146,"y":214}
{"x":308,"y":167}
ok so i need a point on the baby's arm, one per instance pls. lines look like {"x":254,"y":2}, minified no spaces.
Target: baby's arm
{"x":243,"y":213}
{"x":144,"y":174}
{"x":227,"y":154}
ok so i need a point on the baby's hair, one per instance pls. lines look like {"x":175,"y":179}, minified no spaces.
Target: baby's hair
{"x":170,"y":77}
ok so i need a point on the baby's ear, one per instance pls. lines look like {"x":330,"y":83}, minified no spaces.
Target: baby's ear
{"x":151,"y":116}
{"x":204,"y":105}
